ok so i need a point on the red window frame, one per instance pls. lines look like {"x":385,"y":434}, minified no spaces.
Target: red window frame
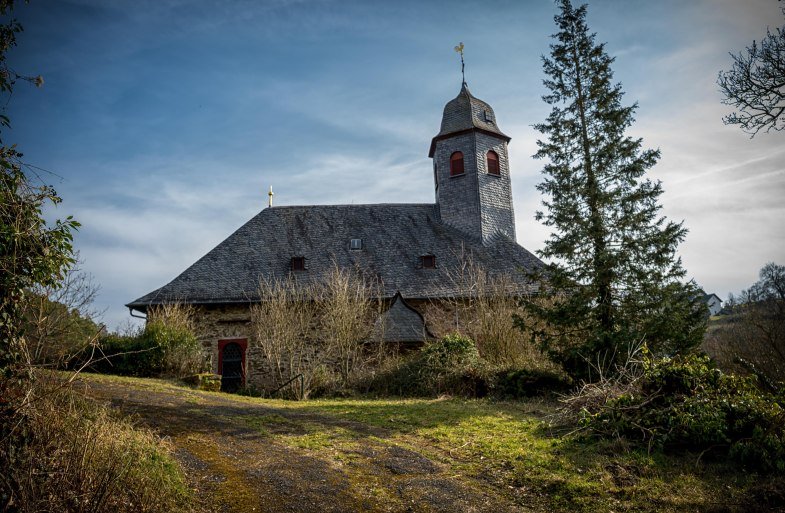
{"x":242,"y":342}
{"x":492,"y":158}
{"x":456,"y":164}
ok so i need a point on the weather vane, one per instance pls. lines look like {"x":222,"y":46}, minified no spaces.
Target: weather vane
{"x":459,"y":49}
{"x":270,"y":196}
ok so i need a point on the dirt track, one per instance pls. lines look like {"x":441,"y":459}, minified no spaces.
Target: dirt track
{"x":236,"y":465}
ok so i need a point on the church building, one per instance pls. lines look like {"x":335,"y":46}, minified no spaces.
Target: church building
{"x":410,"y":248}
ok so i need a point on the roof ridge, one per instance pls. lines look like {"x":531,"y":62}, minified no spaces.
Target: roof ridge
{"x":280,"y":207}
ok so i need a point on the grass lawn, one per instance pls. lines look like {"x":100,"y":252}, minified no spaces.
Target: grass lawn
{"x":510,"y":445}
{"x":513,"y":444}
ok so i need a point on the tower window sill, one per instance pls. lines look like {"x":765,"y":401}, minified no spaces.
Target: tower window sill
{"x":458,"y":176}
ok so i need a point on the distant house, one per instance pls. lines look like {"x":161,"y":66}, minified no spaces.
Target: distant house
{"x":713,"y":303}
{"x":410,"y":248}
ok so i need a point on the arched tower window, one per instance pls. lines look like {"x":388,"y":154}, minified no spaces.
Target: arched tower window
{"x":456,"y":164}
{"x":493,"y":163}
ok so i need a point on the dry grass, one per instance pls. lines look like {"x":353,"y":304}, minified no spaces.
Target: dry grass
{"x":61,"y":452}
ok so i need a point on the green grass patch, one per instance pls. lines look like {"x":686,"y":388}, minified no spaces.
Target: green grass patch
{"x":507,"y":445}
{"x":512,"y":444}
{"x":262,"y":423}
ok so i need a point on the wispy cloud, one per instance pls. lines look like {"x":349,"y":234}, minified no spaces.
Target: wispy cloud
{"x":169,"y":120}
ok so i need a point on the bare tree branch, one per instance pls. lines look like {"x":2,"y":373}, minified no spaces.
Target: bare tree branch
{"x":755,"y":85}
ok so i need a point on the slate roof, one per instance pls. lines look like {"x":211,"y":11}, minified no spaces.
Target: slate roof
{"x":394,"y":237}
{"x":401,"y":323}
{"x":465,"y":112}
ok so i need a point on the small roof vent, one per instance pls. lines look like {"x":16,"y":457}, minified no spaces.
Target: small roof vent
{"x":297,"y":263}
{"x":357,"y":244}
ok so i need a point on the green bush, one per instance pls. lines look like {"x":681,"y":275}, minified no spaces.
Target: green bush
{"x":162,"y":349}
{"x":515,"y":384}
{"x":687,"y":403}
{"x":127,"y":355}
{"x":180,"y":351}
{"x":450,"y":365}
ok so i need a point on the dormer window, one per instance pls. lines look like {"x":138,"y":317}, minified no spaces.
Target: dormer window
{"x":298,"y":263}
{"x":487,"y":116}
{"x":456,"y":164}
{"x":493,"y":163}
{"x":428,"y":261}
{"x":356,"y":244}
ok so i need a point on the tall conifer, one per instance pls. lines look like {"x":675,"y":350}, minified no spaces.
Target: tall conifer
{"x":615,"y":278}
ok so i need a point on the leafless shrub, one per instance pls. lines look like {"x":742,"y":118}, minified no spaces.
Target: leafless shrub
{"x":61,"y":321}
{"x":318,"y":330}
{"x":484,"y":311}
{"x":282,"y":324}
{"x":175,"y":315}
{"x":350,"y":304}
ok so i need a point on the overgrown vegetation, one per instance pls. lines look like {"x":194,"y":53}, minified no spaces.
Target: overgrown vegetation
{"x":484,"y":310}
{"x":166,"y":346}
{"x":323,"y":331}
{"x":69,"y":454}
{"x":681,"y":403}
{"x":452,"y":366}
{"x":749,"y":338}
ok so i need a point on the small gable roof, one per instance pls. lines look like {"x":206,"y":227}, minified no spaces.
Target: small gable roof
{"x":401,"y":323}
{"x":394,"y":237}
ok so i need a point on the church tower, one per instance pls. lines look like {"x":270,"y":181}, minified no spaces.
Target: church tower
{"x":472,"y":170}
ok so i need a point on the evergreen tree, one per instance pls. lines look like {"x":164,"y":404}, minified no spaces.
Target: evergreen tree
{"x":615,"y":280}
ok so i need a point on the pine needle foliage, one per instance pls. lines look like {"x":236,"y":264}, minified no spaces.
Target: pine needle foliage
{"x":615,"y":274}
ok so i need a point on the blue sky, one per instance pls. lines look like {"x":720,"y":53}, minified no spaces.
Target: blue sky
{"x":164,"y":122}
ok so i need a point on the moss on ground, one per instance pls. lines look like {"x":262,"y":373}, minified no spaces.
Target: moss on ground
{"x":231,"y":489}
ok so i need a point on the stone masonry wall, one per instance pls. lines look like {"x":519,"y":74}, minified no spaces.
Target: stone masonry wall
{"x":228,"y":322}
{"x":478,"y":204}
{"x":458,"y":196}
{"x":495,"y":191}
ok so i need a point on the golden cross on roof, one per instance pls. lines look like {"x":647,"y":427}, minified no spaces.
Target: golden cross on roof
{"x":459,"y":49}
{"x":270,"y":195}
